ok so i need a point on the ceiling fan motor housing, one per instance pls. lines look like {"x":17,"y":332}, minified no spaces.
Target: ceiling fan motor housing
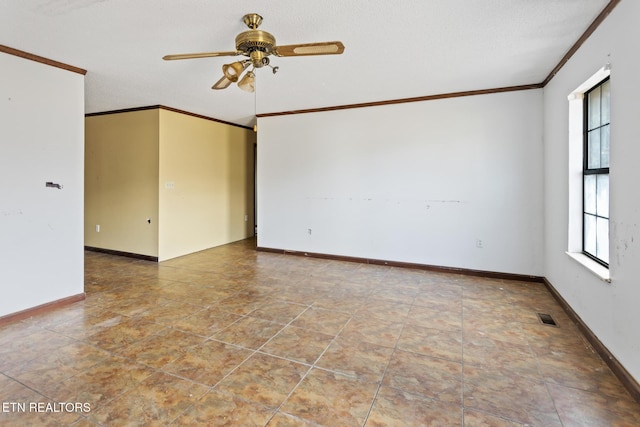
{"x":251,"y":40}
{"x":256,"y":44}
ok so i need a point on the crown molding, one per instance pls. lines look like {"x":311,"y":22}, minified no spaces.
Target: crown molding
{"x":41,"y":59}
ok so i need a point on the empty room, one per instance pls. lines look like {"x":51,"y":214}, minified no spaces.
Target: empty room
{"x":364,"y":213}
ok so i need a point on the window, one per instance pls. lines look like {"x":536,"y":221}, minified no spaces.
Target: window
{"x":588,"y":167}
{"x":595,"y":171}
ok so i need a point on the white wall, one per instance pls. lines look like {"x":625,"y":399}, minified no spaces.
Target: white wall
{"x":41,"y":139}
{"x":610,"y":310}
{"x":418,"y":182}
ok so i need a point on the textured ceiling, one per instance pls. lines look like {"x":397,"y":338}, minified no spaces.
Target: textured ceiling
{"x":392,"y":49}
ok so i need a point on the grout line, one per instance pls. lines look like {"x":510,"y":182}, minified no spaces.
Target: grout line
{"x":254,"y":351}
{"x":384,"y":372}
{"x":462,"y":342}
{"x":313,"y":365}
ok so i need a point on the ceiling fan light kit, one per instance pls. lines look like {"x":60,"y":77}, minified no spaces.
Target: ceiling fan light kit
{"x":232,"y":71}
{"x":248,"y":82}
{"x":257,"y":46}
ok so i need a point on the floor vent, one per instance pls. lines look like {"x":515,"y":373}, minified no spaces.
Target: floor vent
{"x":546,"y":319}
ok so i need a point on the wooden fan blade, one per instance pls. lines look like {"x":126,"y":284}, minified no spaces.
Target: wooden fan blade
{"x":198,"y":55}
{"x":223,"y":83}
{"x":306,"y":49}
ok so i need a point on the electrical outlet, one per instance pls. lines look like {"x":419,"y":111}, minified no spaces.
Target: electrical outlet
{"x":169,"y":185}
{"x":309,"y":231}
{"x":478,"y":243}
{"x":246,"y":218}
{"x":97,"y":228}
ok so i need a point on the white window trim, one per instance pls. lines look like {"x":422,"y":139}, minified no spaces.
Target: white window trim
{"x":597,"y":269}
{"x":576,"y":109}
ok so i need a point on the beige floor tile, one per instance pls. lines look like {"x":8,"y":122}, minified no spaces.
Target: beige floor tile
{"x":157,"y":400}
{"x":162,"y":348}
{"x":397,"y":408}
{"x":249,"y":332}
{"x":208,"y":363}
{"x":357,"y":359}
{"x":426,"y":376}
{"x":447,"y":317}
{"x":101,"y":383}
{"x":119,"y":332}
{"x":431,"y":342}
{"x":264,"y":379}
{"x":169,"y":313}
{"x":222,"y":409}
{"x":322,"y":320}
{"x":506,"y":357}
{"x":282,"y":419}
{"x":331,"y":399}
{"x":206,"y":322}
{"x":300,"y":345}
{"x":232,"y":336}
{"x":279,"y":311}
{"x":473,"y":418}
{"x":371,"y":330}
{"x":383,"y":309}
{"x":514,"y":398}
{"x":585,"y":408}
{"x":49,"y":369}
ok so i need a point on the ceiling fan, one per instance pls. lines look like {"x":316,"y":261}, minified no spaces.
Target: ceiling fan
{"x":257,"y":46}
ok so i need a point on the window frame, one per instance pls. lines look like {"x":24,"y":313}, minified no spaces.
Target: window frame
{"x":592,"y":171}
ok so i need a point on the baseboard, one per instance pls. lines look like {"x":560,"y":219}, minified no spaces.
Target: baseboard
{"x":121,"y":253}
{"x":619,"y":371}
{"x":436,"y":268}
{"x":40,"y":309}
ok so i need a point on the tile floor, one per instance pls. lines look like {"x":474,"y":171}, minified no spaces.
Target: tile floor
{"x":231,"y":336}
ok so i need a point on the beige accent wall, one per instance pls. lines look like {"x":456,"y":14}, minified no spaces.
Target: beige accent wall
{"x":192,"y":177}
{"x":121,"y":182}
{"x":206,"y":184}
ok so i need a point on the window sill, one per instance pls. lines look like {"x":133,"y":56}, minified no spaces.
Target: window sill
{"x":598,"y":270}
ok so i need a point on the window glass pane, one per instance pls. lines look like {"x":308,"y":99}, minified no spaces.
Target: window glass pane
{"x":590,"y":234}
{"x":593,"y":153}
{"x":602,"y":196}
{"x":604,"y":146}
{"x":594,"y":108}
{"x":602,"y":243}
{"x":590,"y":194}
{"x":596,"y":186}
{"x":606,"y":102}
